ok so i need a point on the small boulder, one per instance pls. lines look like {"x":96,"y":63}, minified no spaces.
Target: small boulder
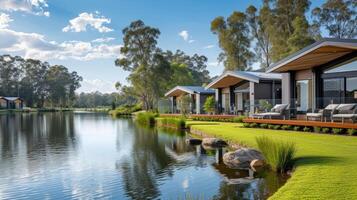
{"x":193,"y":141}
{"x":256,"y":163}
{"x":241,"y":158}
{"x":214,"y":142}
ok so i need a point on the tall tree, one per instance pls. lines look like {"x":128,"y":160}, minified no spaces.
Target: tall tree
{"x":233,"y":38}
{"x":299,"y":39}
{"x":260,"y":35}
{"x":10,"y":74}
{"x":279,"y":22}
{"x":338,"y":17}
{"x":187,"y":70}
{"x":139,"y":49}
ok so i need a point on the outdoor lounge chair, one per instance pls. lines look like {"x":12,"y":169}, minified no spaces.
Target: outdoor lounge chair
{"x":323,"y":114}
{"x":345,"y":111}
{"x":279,"y":111}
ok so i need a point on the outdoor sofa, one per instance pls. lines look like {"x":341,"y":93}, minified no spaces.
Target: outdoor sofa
{"x":279,"y":111}
{"x":323,"y":114}
{"x":345,"y":111}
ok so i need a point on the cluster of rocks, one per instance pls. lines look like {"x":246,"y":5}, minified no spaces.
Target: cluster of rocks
{"x":242,"y":158}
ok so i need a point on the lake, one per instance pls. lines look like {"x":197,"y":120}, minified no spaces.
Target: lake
{"x":93,"y":156}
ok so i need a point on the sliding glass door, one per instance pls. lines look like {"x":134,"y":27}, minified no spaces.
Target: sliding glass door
{"x":303,"y":95}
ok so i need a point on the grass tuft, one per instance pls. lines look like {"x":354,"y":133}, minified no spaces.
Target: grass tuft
{"x":146,"y":118}
{"x":278,"y":154}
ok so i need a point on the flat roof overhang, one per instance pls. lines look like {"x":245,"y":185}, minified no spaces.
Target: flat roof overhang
{"x":314,"y":56}
{"x":229,"y":79}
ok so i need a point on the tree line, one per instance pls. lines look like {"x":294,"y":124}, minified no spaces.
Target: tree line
{"x":38,"y":83}
{"x":98,"y":99}
{"x":278,"y":29}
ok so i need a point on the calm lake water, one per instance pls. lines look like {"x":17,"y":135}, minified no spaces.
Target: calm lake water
{"x":92,"y":156}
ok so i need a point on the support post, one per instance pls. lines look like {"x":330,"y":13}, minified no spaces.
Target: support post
{"x":251,"y":98}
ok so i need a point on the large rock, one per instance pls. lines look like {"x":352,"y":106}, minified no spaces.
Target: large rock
{"x":214,"y":142}
{"x":193,"y":141}
{"x":241,"y":158}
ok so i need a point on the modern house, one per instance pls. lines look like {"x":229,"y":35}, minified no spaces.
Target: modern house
{"x":323,"y":73}
{"x":198,"y":97}
{"x":11,"y":103}
{"x":239,"y":92}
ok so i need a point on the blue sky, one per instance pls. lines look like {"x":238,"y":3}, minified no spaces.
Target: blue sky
{"x":42,"y":29}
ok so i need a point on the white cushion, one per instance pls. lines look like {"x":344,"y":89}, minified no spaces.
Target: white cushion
{"x":332,"y":106}
{"x":314,"y":114}
{"x":346,"y":106}
{"x":280,"y":107}
{"x":268,"y":114}
{"x":345,"y":115}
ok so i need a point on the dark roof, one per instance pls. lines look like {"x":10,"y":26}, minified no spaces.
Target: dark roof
{"x":253,"y":76}
{"x":311,"y":46}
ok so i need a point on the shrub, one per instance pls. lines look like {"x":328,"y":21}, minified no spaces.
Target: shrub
{"x":209,"y":105}
{"x":263,"y":125}
{"x":278,"y":154}
{"x":253,"y":125}
{"x":146,"y":118}
{"x":297,"y":128}
{"x":317,"y":129}
{"x":238,"y":119}
{"x":125,"y":110}
{"x":286,"y":127}
{"x":276,"y":127}
{"x":306,"y":129}
{"x":246,"y":125}
{"x":352,"y":131}
{"x":271,"y":126}
{"x":178,"y":123}
{"x":337,"y":131}
{"x":325,"y":130}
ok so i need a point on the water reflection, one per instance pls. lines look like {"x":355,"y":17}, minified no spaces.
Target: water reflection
{"x":86,"y":155}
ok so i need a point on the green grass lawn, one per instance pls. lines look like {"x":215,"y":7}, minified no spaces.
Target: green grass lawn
{"x":326,"y":166}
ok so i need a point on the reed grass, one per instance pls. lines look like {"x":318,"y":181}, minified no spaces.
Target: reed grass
{"x":278,"y":154}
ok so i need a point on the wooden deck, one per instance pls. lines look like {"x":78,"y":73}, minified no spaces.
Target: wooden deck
{"x":201,"y":115}
{"x":303,"y":123}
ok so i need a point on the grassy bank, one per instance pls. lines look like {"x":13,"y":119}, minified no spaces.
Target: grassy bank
{"x":326,"y":167}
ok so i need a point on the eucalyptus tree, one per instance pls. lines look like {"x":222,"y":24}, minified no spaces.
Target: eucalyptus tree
{"x":338,"y":17}
{"x":138,"y":56}
{"x":279,"y":17}
{"x":233,"y":38}
{"x":257,"y":23}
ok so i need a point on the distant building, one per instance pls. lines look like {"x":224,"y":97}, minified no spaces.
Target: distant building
{"x":198,"y":97}
{"x":11,"y":103}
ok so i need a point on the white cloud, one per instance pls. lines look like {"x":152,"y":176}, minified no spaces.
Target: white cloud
{"x":191,"y":41}
{"x":103,"y":40}
{"x":184,"y":34}
{"x":80,"y":23}
{"x":209,"y":46}
{"x":5,"y":20}
{"x":36,"y":7}
{"x":97,"y":85}
{"x":36,"y":46}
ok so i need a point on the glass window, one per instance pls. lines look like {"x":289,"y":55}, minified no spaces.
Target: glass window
{"x":350,"y":65}
{"x":351,"y":90}
{"x":303,"y":95}
{"x":333,"y":91}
